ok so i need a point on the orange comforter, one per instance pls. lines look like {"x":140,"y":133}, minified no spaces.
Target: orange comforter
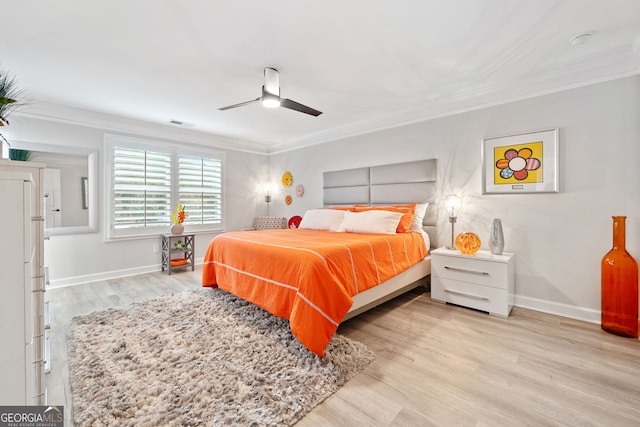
{"x":307,"y":276}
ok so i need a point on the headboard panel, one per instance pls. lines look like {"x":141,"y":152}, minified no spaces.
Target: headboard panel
{"x":408,"y":172}
{"x":401,"y":193}
{"x":346,"y":187}
{"x":409,"y":182}
{"x":347,"y":195}
{"x":346,"y":178}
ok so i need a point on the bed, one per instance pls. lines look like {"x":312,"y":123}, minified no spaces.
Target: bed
{"x":318,"y":278}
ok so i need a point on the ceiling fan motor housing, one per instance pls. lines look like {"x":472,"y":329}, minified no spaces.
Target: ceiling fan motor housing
{"x":271,"y":81}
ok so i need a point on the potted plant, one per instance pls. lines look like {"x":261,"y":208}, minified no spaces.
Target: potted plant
{"x":8,"y":96}
{"x":17,"y":154}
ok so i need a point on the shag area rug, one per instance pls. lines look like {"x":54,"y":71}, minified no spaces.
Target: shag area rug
{"x":202,"y":357}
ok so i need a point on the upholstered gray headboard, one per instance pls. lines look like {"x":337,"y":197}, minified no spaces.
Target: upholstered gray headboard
{"x":409,"y":182}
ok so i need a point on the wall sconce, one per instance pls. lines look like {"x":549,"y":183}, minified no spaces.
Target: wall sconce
{"x":267,"y":196}
{"x":452,"y":203}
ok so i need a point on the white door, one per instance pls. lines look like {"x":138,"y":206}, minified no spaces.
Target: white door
{"x":52,"y":195}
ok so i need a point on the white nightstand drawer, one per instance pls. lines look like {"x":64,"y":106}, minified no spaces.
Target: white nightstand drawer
{"x":485,"y":298}
{"x":481,"y":271}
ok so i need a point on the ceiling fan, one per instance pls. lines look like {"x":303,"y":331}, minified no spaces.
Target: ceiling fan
{"x":271,"y":96}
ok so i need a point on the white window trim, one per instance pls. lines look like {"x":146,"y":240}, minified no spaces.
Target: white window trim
{"x":110,"y":141}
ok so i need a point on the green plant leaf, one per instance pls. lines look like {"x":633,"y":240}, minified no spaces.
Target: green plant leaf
{"x":9,"y":96}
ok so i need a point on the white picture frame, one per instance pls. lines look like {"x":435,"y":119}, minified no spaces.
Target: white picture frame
{"x":521,"y":163}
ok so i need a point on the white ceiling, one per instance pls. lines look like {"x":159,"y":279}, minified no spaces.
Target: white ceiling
{"x":367,"y":64}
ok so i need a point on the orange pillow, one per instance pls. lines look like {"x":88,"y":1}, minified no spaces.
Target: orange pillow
{"x":407,"y":212}
{"x":343,"y":208}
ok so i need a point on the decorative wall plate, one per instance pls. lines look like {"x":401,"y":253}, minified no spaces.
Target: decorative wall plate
{"x":288,"y":200}
{"x":299,"y":190}
{"x":287,"y":179}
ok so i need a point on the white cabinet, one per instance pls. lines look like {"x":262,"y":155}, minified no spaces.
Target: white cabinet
{"x":482,"y":281}
{"x":22,"y":303}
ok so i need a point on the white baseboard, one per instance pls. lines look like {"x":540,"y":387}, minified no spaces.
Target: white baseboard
{"x":104,"y":275}
{"x":571,"y":311}
{"x":107,"y":275}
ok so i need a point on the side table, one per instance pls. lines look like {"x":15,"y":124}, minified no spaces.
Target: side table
{"x":177,"y":251}
{"x":483,"y":281}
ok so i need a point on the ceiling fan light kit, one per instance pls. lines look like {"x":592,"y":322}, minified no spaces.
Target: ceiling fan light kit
{"x":271,"y":96}
{"x":269,"y":100}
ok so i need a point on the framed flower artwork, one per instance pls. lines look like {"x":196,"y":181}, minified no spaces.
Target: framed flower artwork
{"x":521,"y":163}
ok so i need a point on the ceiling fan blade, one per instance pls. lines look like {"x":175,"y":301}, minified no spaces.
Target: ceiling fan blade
{"x":242,"y":104}
{"x":293,"y":105}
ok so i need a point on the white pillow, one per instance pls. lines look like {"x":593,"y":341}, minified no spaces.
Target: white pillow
{"x":371,"y":222}
{"x":322,"y":219}
{"x":427,"y":240}
{"x":418,"y":217}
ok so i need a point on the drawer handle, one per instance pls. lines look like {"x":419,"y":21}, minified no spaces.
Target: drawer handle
{"x":464,"y":270}
{"x":479,"y":298}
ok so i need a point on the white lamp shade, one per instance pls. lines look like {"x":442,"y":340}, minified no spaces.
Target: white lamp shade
{"x":452,"y":203}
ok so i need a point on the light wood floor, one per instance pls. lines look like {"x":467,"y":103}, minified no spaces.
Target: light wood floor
{"x":436,"y":365}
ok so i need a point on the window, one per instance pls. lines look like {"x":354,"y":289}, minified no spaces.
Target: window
{"x":200,"y":183}
{"x":141,"y":188}
{"x":147,"y":181}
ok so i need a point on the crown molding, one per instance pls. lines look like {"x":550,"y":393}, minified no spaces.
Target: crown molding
{"x":87,"y":118}
{"x":479,"y":98}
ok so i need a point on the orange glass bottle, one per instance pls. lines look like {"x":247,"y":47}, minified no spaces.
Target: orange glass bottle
{"x":620,"y":286}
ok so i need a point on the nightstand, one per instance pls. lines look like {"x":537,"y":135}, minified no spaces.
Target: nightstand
{"x":482,"y":281}
{"x":182,"y":245}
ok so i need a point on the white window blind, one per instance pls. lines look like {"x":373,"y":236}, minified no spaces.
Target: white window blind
{"x":200,"y":189}
{"x":148,"y":179}
{"x":141,"y":188}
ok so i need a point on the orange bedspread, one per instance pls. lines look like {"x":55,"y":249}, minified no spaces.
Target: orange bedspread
{"x":307,"y":276}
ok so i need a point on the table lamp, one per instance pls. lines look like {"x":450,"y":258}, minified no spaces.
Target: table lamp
{"x":452,"y":203}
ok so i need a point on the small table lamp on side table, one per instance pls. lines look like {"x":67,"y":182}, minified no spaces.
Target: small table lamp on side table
{"x":452,"y":202}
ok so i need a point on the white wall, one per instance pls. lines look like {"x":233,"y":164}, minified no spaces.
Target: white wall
{"x":559,"y":239}
{"x":80,"y":258}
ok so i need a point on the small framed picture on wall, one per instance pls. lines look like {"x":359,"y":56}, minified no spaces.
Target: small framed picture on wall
{"x":521,"y":163}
